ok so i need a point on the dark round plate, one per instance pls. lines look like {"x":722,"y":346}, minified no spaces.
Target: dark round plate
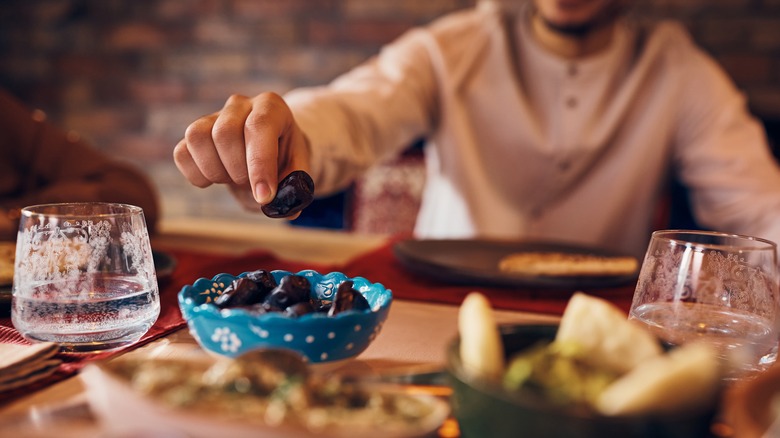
{"x":164,"y":264}
{"x":476,"y":262}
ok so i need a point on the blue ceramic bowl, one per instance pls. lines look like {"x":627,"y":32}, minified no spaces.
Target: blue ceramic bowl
{"x":320,"y":338}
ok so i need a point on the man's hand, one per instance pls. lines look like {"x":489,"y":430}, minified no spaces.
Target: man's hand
{"x":250,"y":144}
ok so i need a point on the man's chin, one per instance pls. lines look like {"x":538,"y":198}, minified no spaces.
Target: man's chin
{"x":575,"y":30}
{"x":603,"y":18}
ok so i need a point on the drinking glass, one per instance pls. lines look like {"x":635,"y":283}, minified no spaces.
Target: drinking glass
{"x":84,"y":276}
{"x":715,"y":287}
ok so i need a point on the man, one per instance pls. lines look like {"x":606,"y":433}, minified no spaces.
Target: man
{"x":559,"y":119}
{"x":41,"y":164}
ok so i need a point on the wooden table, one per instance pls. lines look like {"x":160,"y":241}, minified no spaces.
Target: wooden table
{"x":414,"y":338}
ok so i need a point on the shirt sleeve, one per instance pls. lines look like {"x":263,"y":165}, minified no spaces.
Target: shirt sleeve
{"x":722,"y":153}
{"x":370,"y":113}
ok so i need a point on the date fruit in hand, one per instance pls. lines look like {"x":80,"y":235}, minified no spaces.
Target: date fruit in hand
{"x":295,"y":192}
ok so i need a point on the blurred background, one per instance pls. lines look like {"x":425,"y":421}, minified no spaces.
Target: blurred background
{"x":131,"y":75}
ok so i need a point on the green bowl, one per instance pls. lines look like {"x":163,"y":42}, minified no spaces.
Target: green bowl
{"x":487,"y":410}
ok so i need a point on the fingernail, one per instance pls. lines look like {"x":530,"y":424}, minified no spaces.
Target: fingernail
{"x":262,"y":193}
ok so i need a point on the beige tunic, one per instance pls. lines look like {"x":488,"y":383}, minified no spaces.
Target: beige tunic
{"x":525,"y":144}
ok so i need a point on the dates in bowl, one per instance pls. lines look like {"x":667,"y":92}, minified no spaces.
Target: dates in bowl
{"x":325,"y":317}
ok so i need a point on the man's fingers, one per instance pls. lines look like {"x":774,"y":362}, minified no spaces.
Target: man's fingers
{"x":186,"y":165}
{"x":228,"y":137}
{"x":200,"y":145}
{"x":263,"y":131}
{"x":296,"y":147}
{"x":246,"y":145}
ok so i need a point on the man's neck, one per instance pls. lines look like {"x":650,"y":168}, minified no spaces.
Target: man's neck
{"x":570,"y":45}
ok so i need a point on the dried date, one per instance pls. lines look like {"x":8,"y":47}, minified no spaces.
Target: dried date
{"x":347,"y":298}
{"x":241,"y":292}
{"x":263,"y":278}
{"x":259,"y":293}
{"x":292,"y":289}
{"x":294,"y":193}
{"x":299,"y":309}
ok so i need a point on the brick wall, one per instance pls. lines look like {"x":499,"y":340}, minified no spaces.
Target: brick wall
{"x":130,"y":75}
{"x":743,"y":35}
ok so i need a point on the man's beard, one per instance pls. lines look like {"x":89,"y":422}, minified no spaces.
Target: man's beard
{"x":573,"y":30}
{"x":579,"y":30}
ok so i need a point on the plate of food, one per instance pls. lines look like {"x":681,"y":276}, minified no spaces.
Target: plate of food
{"x":265,"y":392}
{"x":594,"y":374}
{"x":517,"y":263}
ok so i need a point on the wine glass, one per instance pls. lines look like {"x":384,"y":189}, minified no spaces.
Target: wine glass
{"x":84,"y":276}
{"x":715,"y":287}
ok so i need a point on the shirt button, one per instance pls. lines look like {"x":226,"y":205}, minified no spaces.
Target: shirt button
{"x":571,"y":102}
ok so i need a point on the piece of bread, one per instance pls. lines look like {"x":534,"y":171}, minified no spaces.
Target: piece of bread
{"x":566,"y":264}
{"x":481,"y":349}
{"x":684,"y":378}
{"x":609,"y":339}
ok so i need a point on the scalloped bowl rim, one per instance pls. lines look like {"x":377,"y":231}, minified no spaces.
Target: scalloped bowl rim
{"x":212,"y":311}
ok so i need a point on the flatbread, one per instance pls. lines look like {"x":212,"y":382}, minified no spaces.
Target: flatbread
{"x":566,"y":264}
{"x":7,"y":253}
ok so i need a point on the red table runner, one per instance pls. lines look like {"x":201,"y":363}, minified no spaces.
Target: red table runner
{"x":378,"y":266}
